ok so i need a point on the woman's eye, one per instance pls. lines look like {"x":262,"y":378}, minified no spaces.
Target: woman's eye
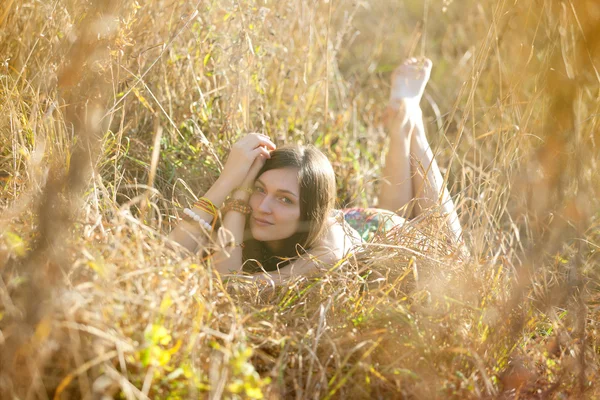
{"x":286,"y":200}
{"x":259,"y":189}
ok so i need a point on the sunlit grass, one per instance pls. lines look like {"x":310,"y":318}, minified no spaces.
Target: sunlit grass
{"x":93,"y":302}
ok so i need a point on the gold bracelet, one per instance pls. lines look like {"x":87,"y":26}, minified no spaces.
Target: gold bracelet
{"x":248,"y":190}
{"x":236,"y":205}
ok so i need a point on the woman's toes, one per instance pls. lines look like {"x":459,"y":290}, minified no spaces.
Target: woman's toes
{"x":403,"y":70}
{"x":409,"y":79}
{"x":427,"y":63}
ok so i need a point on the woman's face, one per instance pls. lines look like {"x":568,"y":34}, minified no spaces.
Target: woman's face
{"x":275,"y":205}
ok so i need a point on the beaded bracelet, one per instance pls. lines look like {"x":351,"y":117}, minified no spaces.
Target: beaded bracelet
{"x":236,"y":205}
{"x":206,"y":205}
{"x":191,"y":214}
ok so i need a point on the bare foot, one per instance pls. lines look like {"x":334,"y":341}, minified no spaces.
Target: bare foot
{"x":409,"y":81}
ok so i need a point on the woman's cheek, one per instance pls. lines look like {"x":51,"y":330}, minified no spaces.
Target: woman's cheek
{"x":294,"y":214}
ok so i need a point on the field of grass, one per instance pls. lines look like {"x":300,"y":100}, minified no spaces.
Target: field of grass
{"x":115,"y":114}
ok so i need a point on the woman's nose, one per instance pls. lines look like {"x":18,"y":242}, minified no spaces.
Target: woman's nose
{"x":265,"y":205}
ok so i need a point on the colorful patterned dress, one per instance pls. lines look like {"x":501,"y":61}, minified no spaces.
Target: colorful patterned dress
{"x":371,"y":222}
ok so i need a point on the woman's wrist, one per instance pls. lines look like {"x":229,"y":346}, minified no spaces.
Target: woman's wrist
{"x":240,"y":195}
{"x":244,"y":188}
{"x":238,"y":205}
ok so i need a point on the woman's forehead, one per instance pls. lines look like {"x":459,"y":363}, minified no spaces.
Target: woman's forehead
{"x":281,"y":179}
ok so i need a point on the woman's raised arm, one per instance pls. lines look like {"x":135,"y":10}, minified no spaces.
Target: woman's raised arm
{"x":234,"y":222}
{"x":189,"y":234}
{"x":240,"y":161}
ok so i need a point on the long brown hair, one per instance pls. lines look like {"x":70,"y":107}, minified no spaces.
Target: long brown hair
{"x":316,"y":180}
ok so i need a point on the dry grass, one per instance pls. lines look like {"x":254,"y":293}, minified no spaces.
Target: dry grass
{"x":93,"y":303}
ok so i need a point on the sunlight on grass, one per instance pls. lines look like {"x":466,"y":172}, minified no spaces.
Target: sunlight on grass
{"x":116,"y":114}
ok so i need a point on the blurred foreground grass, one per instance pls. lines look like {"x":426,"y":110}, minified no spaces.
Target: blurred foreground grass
{"x":116,"y":113}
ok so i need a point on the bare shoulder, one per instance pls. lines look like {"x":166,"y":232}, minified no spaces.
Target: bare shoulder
{"x":338,"y":240}
{"x":339,"y":237}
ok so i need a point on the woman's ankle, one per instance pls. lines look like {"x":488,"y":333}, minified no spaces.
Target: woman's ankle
{"x":402,"y":113}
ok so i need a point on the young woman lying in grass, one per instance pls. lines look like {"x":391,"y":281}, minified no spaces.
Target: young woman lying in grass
{"x":277,"y":203}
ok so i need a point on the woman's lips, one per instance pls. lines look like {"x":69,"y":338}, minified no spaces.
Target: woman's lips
{"x":261,"y":222}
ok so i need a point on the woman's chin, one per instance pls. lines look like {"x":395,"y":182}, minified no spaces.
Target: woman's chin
{"x":258,"y":234}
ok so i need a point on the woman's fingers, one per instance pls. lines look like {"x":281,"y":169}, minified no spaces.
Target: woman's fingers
{"x":266,"y":142}
{"x":258,"y":163}
{"x":250,"y":147}
{"x":261,"y":151}
{"x":254,"y":140}
{"x":243,"y":155}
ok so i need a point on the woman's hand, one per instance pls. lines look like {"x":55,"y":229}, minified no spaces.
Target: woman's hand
{"x":252,"y":174}
{"x":246,"y":157}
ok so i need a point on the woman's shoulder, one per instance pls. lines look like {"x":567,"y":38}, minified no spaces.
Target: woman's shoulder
{"x":339,"y":235}
{"x":337,"y":241}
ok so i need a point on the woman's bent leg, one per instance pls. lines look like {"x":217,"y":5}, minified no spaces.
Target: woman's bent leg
{"x":401,"y":121}
{"x":396,"y":190}
{"x":412,"y":180}
{"x":428,"y":183}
